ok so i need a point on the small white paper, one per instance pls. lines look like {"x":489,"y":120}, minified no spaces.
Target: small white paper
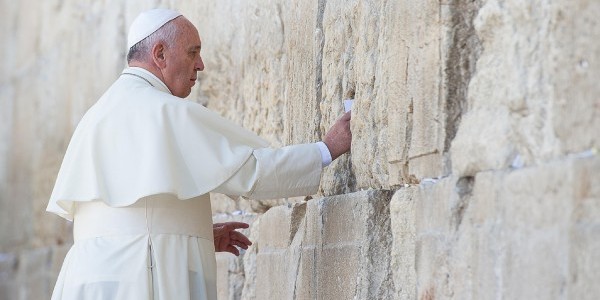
{"x":348,"y":104}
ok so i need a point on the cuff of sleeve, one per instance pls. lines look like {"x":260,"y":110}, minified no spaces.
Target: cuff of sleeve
{"x":325,"y":154}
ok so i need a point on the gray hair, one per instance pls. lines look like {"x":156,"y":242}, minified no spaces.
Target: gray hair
{"x":165,"y":34}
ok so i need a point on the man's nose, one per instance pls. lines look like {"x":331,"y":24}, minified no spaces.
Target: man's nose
{"x":199,"y":64}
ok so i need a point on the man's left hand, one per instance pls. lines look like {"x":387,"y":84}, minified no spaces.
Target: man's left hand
{"x":226,"y":238}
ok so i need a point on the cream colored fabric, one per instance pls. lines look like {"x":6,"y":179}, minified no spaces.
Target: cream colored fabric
{"x":157,"y":248}
{"x":275,"y":173}
{"x":139,"y":140}
{"x":135,"y":155}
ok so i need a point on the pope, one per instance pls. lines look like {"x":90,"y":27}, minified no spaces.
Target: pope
{"x":137,"y":174}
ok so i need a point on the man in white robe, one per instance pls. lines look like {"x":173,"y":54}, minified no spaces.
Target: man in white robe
{"x":139,"y":168}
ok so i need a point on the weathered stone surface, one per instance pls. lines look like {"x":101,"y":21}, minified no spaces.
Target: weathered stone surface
{"x":522,"y":97}
{"x":454,"y":97}
{"x":30,"y":274}
{"x":339,"y":249}
{"x":404,"y":233}
{"x":510,"y":234}
{"x":576,"y":63}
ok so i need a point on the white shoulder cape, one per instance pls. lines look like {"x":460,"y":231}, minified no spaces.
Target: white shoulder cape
{"x":139,"y":140}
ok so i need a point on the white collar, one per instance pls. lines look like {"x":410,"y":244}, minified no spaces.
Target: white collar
{"x":148,"y":77}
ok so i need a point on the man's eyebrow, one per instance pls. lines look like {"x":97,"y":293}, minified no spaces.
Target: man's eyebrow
{"x":195,"y":48}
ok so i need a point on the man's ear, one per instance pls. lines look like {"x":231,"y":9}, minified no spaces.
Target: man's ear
{"x":158,"y":55}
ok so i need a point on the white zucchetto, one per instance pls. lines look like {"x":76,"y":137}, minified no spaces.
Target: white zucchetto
{"x":147,"y":23}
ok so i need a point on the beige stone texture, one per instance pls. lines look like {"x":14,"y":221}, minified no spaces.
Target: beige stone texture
{"x":336,"y":249}
{"x":519,"y":234}
{"x":481,"y":118}
{"x":404,"y":233}
{"x":533,"y":96}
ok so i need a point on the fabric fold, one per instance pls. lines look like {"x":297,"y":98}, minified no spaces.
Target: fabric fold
{"x":139,"y":140}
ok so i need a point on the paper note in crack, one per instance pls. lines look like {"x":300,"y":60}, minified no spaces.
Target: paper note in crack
{"x":348,"y":104}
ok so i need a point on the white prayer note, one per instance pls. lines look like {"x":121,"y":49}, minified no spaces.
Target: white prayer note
{"x":348,"y":104}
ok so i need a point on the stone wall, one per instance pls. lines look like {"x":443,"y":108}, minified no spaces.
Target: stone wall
{"x":473,"y":174}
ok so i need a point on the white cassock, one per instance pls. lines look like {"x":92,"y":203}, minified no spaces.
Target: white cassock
{"x":135,"y":181}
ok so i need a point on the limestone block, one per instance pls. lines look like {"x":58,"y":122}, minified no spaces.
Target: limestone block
{"x":245,"y":73}
{"x":34,"y":270}
{"x":8,"y":276}
{"x":423,"y":76}
{"x":273,"y":275}
{"x":478,"y":250}
{"x":433,"y":212}
{"x":584,"y":176}
{"x":306,"y":287}
{"x":29,"y":274}
{"x":354,"y":67}
{"x":508,"y":233}
{"x":531,"y":110}
{"x":303,"y":45}
{"x":286,"y":220}
{"x":403,"y":221}
{"x":8,"y":32}
{"x":323,"y":260}
{"x":584,"y":261}
{"x":373,"y":240}
{"x":278,"y":251}
{"x":576,"y":58}
{"x":543,"y":224}
{"x":337,"y":271}
{"x":584,"y":245}
{"x":244,"y":63}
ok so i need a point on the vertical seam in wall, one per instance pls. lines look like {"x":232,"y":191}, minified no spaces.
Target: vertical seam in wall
{"x":459,"y":65}
{"x":319,"y":65}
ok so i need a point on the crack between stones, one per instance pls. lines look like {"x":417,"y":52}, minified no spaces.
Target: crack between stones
{"x":319,"y":64}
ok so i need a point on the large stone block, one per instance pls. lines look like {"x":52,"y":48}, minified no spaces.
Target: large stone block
{"x":583,"y":242}
{"x":584,"y":261}
{"x":373,"y":239}
{"x":404,"y":233}
{"x":544,"y":226}
{"x":9,"y":266}
{"x":525,"y":85}
{"x":575,"y":55}
{"x":280,"y":225}
{"x":31,"y":273}
{"x":508,"y":233}
{"x":323,"y":260}
{"x":467,"y":90}
{"x":337,"y":273}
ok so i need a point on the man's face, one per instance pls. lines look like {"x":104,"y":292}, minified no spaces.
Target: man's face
{"x":183,"y":60}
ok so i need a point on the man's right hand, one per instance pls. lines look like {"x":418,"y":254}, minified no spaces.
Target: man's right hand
{"x":339,"y":138}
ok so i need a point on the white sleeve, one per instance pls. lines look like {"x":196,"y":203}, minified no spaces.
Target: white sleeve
{"x":275,"y":173}
{"x":325,"y":154}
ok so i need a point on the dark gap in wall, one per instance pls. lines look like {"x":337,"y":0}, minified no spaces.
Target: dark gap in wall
{"x":464,"y":189}
{"x":380,"y":272}
{"x":320,"y":40}
{"x":406,"y":176}
{"x":461,"y":63}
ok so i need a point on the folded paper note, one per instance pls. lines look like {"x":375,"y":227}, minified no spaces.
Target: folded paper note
{"x":348,"y":104}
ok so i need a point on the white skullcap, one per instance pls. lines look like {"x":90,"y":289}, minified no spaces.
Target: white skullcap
{"x":147,"y":23}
